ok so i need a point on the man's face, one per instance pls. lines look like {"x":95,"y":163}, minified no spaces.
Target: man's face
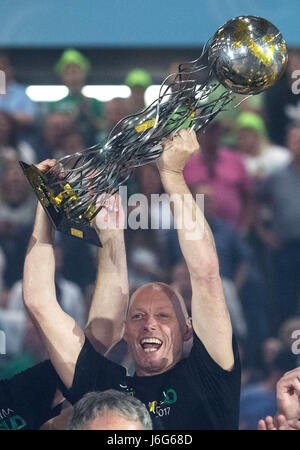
{"x":155,"y":330}
{"x":14,"y":189}
{"x":73,"y":76}
{"x":248,"y":141}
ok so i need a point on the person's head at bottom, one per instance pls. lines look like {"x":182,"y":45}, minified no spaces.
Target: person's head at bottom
{"x":109,"y":410}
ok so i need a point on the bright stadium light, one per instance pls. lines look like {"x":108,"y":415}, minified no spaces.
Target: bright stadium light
{"x":46,"y":93}
{"x":105,"y":93}
{"x":152,"y":93}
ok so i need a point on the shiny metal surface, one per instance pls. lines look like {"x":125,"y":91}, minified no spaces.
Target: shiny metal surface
{"x":249,"y":54}
{"x":246,"y":55}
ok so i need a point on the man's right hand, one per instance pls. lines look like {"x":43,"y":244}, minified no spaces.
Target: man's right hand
{"x":111,"y":218}
{"x":46,"y":165}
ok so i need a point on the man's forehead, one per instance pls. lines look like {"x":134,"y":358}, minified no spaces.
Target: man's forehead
{"x":157,"y":295}
{"x":150,"y":295}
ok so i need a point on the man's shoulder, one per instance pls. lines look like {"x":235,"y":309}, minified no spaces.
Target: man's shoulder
{"x":200,"y":356}
{"x":89,"y":353}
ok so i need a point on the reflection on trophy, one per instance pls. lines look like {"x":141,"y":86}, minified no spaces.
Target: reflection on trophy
{"x":246,"y":55}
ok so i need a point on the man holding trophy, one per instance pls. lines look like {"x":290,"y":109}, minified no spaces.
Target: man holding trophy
{"x":156,"y":325}
{"x":202,"y":390}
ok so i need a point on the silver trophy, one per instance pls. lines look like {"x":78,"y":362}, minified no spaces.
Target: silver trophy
{"x":246,"y":55}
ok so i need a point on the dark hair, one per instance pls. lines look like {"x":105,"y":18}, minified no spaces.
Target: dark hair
{"x":96,"y":404}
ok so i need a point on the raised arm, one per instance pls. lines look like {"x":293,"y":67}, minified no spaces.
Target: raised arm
{"x":107,"y":314}
{"x":61,"y":335}
{"x":211,"y":321}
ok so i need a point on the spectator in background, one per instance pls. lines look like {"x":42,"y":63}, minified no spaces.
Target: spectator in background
{"x":24,"y":346}
{"x":280,"y":192}
{"x":11,"y":147}
{"x":16,"y":200}
{"x":261,"y":157}
{"x":114,"y":111}
{"x":259,"y":399}
{"x":228,"y":116}
{"x":86,"y":113}
{"x":17,"y":205}
{"x":69,"y":143}
{"x":224,"y":171}
{"x":110,"y":410}
{"x":15,"y":101}
{"x":138,"y":80}
{"x":48,"y":142}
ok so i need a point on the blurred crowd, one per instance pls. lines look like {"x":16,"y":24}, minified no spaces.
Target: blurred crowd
{"x":248,"y":169}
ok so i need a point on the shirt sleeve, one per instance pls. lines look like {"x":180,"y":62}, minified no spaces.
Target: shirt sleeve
{"x":220,"y":388}
{"x":199,"y":358}
{"x":93,"y":372}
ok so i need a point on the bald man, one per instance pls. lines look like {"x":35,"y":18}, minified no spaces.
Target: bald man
{"x":200,"y":391}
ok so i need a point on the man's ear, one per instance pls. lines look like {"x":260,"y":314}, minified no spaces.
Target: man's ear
{"x":188,"y":332}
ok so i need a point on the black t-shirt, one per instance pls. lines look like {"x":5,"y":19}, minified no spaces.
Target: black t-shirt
{"x":195,"y":394}
{"x":26,"y":399}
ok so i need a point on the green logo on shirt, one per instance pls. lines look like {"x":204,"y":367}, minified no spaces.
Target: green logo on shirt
{"x":12,"y":423}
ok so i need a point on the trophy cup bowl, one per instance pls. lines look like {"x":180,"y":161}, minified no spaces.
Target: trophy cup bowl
{"x":246,"y":55}
{"x":250,"y":54}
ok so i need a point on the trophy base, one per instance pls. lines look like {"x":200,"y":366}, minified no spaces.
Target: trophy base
{"x":56,"y":215}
